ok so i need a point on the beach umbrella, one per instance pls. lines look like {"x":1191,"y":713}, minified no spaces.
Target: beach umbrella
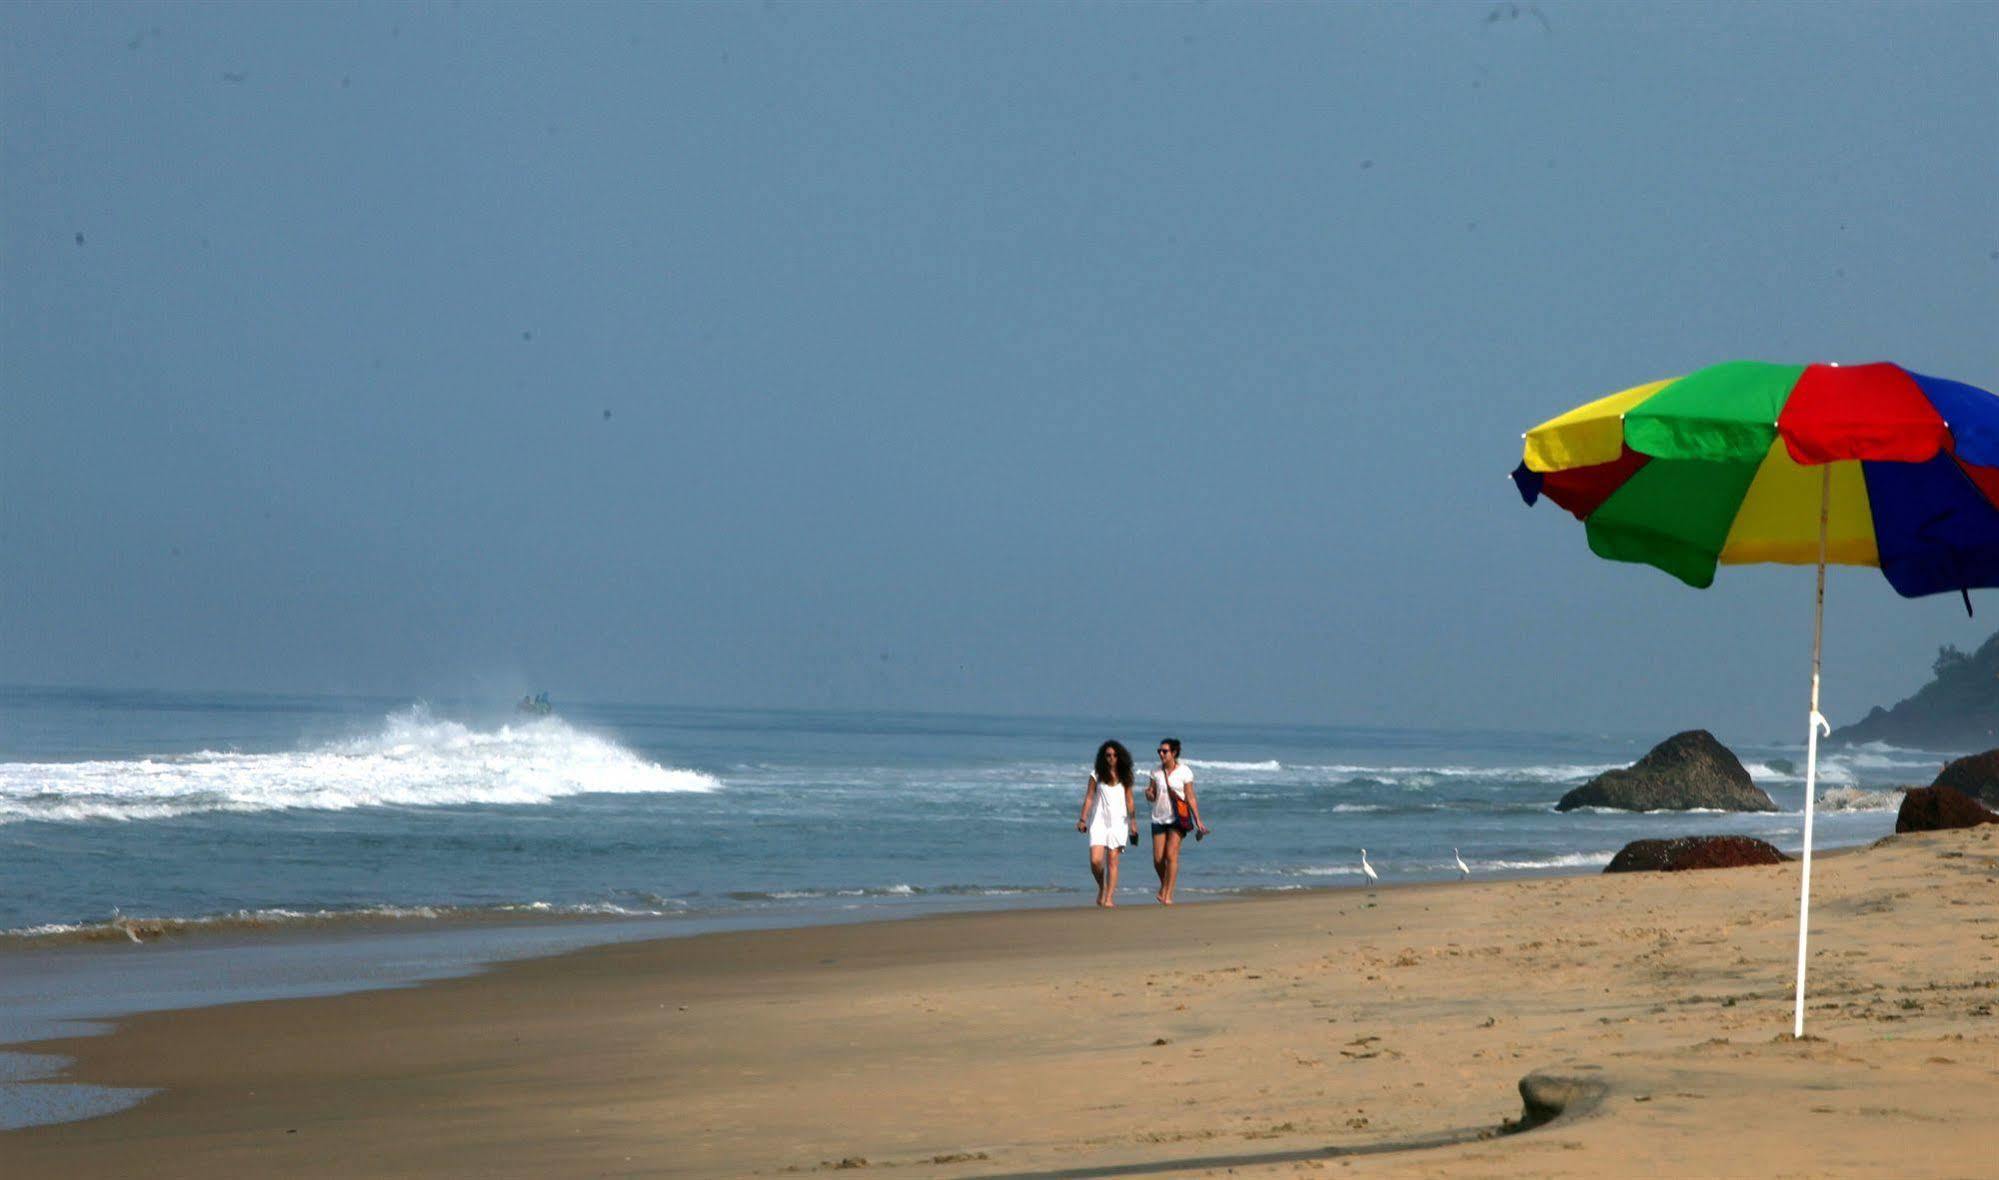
{"x":1826,"y":464}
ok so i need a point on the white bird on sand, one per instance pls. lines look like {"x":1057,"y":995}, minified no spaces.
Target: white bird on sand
{"x":1463,"y":868}
{"x":1368,"y":868}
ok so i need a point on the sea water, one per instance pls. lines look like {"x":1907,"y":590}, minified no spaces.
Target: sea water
{"x":126,"y":814}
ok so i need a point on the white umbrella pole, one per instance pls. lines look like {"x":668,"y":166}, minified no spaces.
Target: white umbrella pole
{"x":1816,"y":724}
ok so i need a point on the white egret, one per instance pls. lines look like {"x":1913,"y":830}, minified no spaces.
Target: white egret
{"x":1368,"y":868}
{"x":1463,"y":868}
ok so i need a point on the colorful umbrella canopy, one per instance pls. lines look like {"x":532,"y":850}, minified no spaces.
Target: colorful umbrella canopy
{"x":1711,"y":468}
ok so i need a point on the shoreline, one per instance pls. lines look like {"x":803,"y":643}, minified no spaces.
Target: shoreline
{"x":1405,"y":1010}
{"x":263,"y":927}
{"x":253,"y":927}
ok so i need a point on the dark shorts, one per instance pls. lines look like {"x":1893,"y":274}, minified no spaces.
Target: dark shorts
{"x":1162,"y":829}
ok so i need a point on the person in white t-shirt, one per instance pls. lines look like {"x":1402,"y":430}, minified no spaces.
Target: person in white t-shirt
{"x":1170,"y":783}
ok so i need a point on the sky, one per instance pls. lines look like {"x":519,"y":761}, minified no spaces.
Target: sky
{"x":1154,"y":360}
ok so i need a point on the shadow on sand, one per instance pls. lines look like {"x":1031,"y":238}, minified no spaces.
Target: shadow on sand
{"x":1545,"y":1098}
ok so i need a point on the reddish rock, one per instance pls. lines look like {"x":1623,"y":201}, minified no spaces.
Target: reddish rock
{"x":1932,"y":809}
{"x":1976,"y":775}
{"x":1693,"y":852}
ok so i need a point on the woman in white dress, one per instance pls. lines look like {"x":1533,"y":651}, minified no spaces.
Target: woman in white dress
{"x":1107,"y":817}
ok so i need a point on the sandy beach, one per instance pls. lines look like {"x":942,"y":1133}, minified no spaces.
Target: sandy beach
{"x":1334,"y":1030}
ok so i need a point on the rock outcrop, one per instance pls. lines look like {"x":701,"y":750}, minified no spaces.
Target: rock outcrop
{"x":1686,"y":771}
{"x":1933,"y":809}
{"x":1693,"y":852}
{"x":1957,"y":710}
{"x":1976,"y":775}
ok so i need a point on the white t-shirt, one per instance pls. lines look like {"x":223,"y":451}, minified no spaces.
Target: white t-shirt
{"x":1162,"y":807}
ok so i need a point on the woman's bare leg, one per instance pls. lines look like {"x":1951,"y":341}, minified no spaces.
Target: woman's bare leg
{"x":1109,"y":891}
{"x":1098,"y":855}
{"x":1170,"y":876}
{"x":1159,"y":861}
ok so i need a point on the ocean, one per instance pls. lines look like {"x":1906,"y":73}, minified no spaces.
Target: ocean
{"x":130,"y":813}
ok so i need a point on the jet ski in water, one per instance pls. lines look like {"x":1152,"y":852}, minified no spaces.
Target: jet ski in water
{"x":535,"y":706}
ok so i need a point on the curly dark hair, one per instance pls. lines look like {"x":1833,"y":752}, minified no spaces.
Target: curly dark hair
{"x":1124,"y":770}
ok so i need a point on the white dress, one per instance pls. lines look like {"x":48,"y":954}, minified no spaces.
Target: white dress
{"x":1109,"y":825}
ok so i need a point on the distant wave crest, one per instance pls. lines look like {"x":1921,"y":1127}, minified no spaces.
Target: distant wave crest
{"x":414,"y":760}
{"x":1872,"y":764}
{"x":1431,"y":775}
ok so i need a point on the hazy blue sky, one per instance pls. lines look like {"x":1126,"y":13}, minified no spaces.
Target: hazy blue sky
{"x":1140,"y":359}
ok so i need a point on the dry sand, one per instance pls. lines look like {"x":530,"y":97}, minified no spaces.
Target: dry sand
{"x":1263,"y":1036}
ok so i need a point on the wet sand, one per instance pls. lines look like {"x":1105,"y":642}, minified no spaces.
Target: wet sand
{"x":1270,"y":1036}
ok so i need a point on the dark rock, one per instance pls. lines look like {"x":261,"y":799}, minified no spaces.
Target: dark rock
{"x":1693,"y":852}
{"x":1976,"y":775}
{"x":1686,"y":771}
{"x":1932,"y":809}
{"x":1545,"y":1098}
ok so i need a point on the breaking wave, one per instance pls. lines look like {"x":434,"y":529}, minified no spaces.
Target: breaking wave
{"x":1873,"y":765}
{"x":1855,"y":799}
{"x":414,"y":760}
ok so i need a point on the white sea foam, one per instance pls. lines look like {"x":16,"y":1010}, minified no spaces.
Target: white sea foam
{"x":1855,"y":799}
{"x":414,"y":760}
{"x":1861,"y":765}
{"x":133,"y":928}
{"x":1204,"y":764}
{"x":1654,"y":811}
{"x":1873,"y":763}
{"x":661,"y":907}
{"x":1551,"y":773}
{"x":896,"y":890}
{"x":137,"y":928}
{"x":1566,"y":860}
